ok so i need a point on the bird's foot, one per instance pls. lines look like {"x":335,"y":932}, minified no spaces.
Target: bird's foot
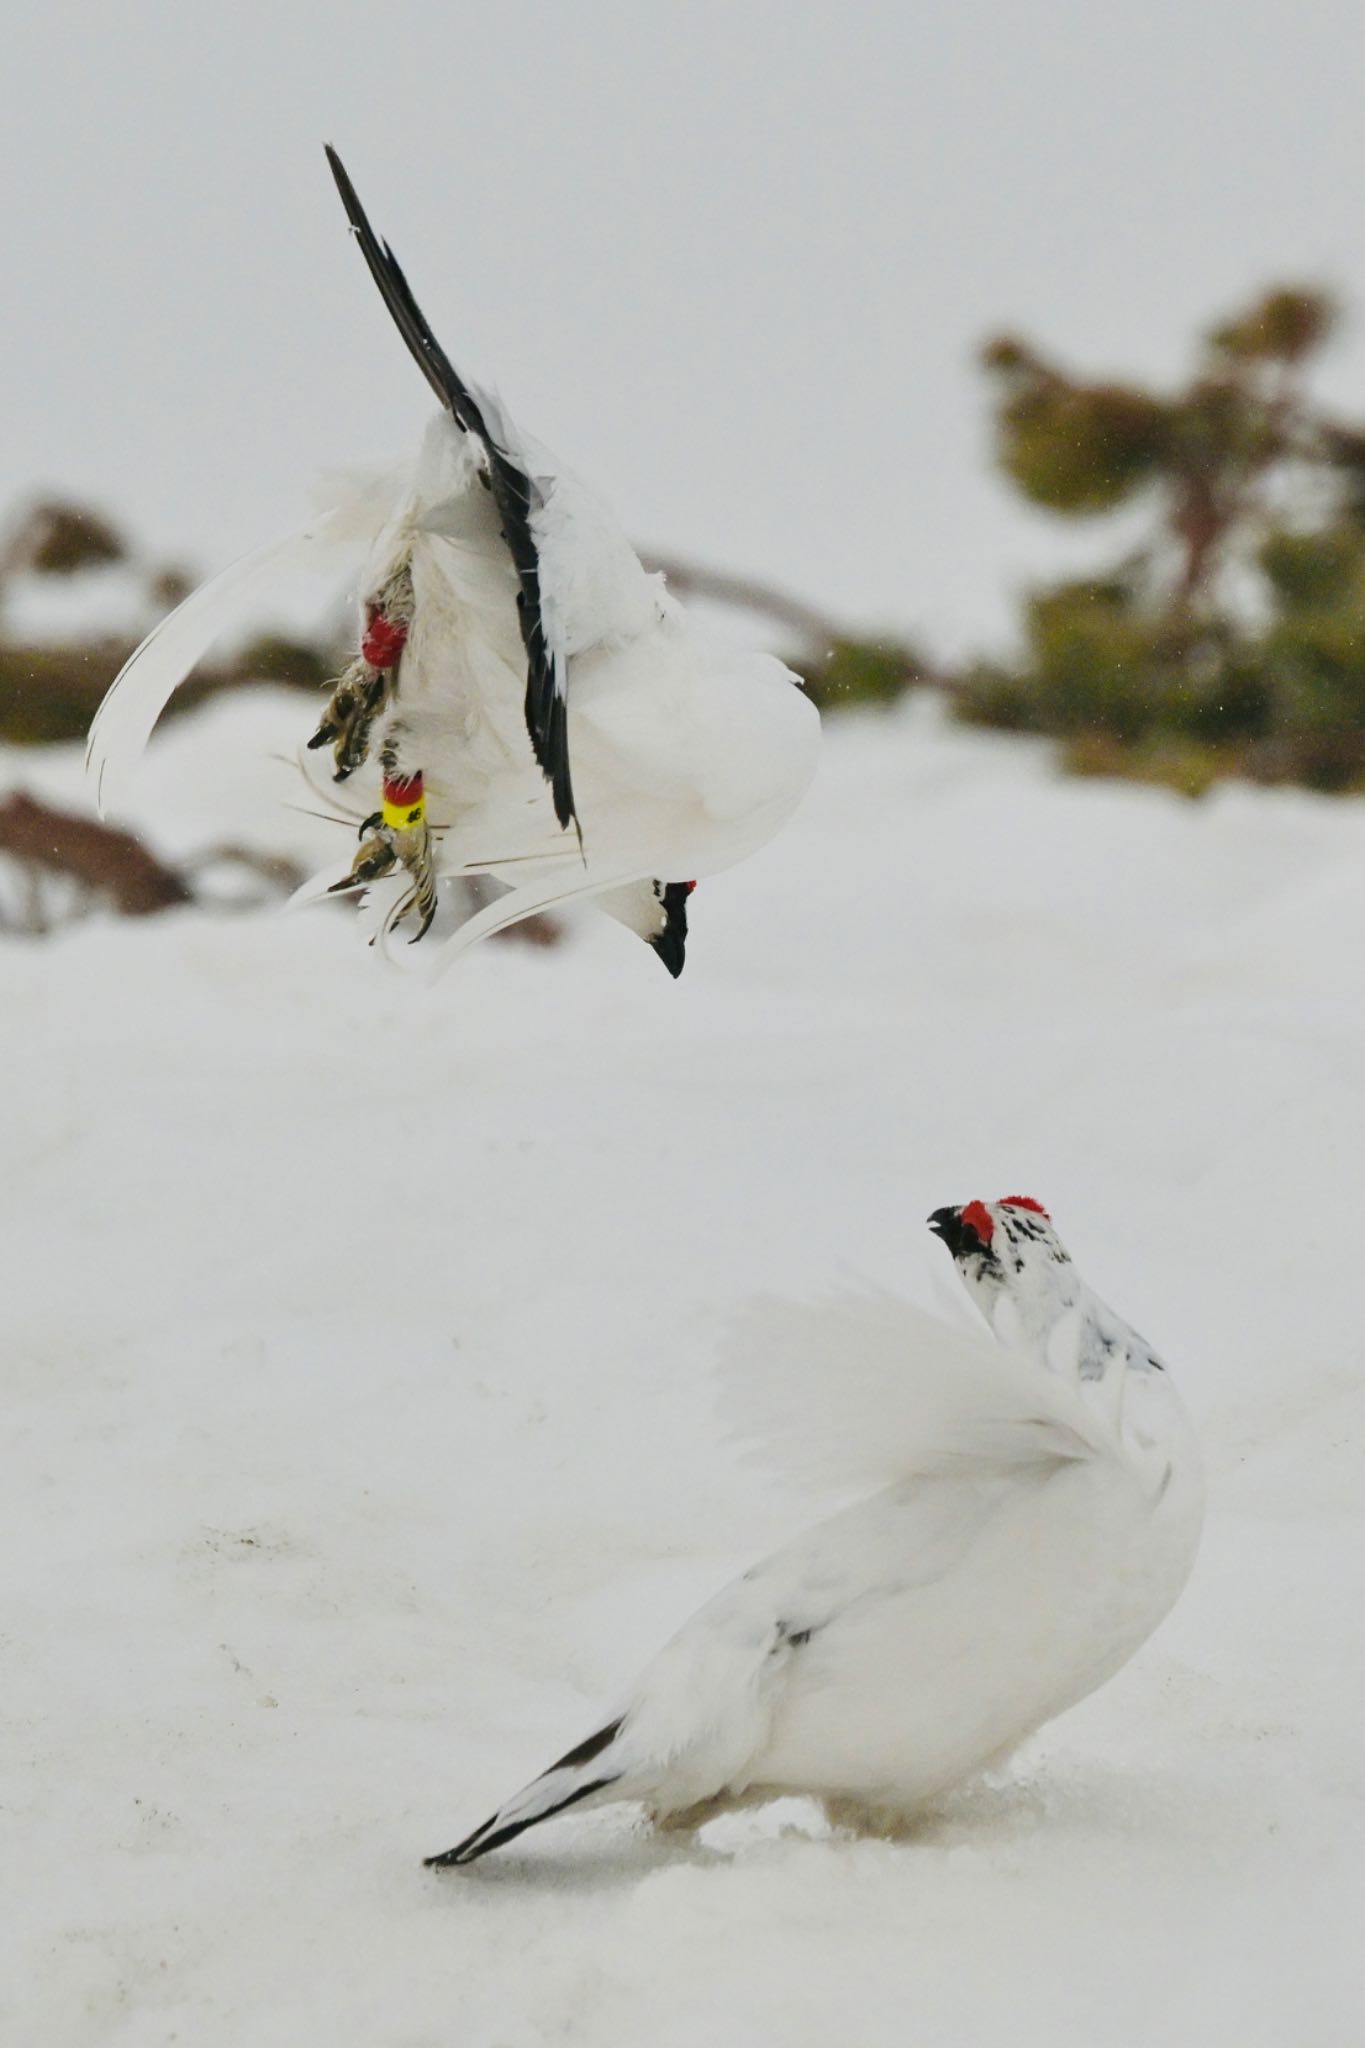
{"x":364,"y":688}
{"x":690,"y":1820}
{"x":416,"y":851}
{"x":376,"y":856}
{"x":359,"y":695}
{"x":399,"y":835}
{"x":852,"y":1816}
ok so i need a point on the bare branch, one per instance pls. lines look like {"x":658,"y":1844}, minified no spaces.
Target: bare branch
{"x":97,"y":857}
{"x":717,"y":586}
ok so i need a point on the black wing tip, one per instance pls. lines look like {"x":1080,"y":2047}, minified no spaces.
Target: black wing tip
{"x":486,"y":1839}
{"x":546,"y":715}
{"x":482,"y":1842}
{"x":463,"y":1852}
{"x":350,"y":198}
{"x":584,"y":1752}
{"x":547,"y":722}
{"x":404,"y":311}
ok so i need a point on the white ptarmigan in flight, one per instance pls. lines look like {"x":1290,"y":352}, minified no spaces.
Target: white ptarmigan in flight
{"x":1041,"y":1510}
{"x":529,"y":703}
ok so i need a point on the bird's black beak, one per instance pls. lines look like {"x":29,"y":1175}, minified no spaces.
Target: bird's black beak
{"x":957,"y":1235}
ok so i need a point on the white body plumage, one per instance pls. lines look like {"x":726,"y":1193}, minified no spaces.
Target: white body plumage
{"x":687,"y":753}
{"x":1045,"y":1515}
{"x":550,"y":712}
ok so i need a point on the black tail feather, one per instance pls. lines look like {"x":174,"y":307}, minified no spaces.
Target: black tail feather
{"x":514,"y":493}
{"x":482,"y":1842}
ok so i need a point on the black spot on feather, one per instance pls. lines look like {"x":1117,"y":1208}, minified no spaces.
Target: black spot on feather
{"x":791,"y":1638}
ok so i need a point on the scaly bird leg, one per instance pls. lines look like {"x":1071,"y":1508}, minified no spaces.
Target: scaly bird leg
{"x":405,"y":818}
{"x":398,"y":832}
{"x":367,"y":684}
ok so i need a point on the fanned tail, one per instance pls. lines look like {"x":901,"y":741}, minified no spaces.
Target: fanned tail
{"x":585,"y":1771}
{"x":865,"y":1387}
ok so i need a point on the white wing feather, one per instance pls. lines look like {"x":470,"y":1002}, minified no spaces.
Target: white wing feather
{"x":549,"y":893}
{"x":867,"y":1388}
{"x":152,"y":674}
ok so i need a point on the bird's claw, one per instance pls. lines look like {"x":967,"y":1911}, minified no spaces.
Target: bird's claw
{"x":358,"y":697}
{"x":384,"y":847}
{"x":416,"y":851}
{"x":367,"y":684}
{"x":375,"y":858}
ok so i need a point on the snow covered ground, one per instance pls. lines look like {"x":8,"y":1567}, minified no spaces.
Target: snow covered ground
{"x":357,"y":1355}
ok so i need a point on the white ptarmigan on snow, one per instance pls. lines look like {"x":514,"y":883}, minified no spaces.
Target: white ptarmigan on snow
{"x":1042,"y":1512}
{"x":539,"y":709}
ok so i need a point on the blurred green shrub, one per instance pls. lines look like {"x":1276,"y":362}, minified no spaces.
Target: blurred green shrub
{"x":1232,"y":639}
{"x":275,"y":658}
{"x":855,"y":672}
{"x":58,"y":538}
{"x":1229,"y":640}
{"x":51,"y":693}
{"x":50,"y":690}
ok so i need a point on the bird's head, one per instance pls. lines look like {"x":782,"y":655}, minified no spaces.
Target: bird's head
{"x":669,"y":940}
{"x":1008,"y":1248}
{"x":658,"y":912}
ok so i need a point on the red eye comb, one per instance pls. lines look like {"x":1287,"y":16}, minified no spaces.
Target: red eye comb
{"x":1024,"y":1202}
{"x":977,"y":1217}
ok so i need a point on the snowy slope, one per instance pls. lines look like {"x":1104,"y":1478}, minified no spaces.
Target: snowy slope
{"x":360,"y":1435}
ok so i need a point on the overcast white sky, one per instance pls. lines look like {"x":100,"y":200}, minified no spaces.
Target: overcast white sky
{"x":730,"y":261}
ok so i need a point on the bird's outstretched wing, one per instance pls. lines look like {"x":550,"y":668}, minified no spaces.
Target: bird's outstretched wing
{"x":142,"y":688}
{"x":515,"y":492}
{"x":866,"y":1387}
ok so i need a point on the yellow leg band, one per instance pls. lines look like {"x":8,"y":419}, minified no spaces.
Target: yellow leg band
{"x":402,"y":817}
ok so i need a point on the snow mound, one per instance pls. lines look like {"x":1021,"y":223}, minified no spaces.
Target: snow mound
{"x":359,"y":1394}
